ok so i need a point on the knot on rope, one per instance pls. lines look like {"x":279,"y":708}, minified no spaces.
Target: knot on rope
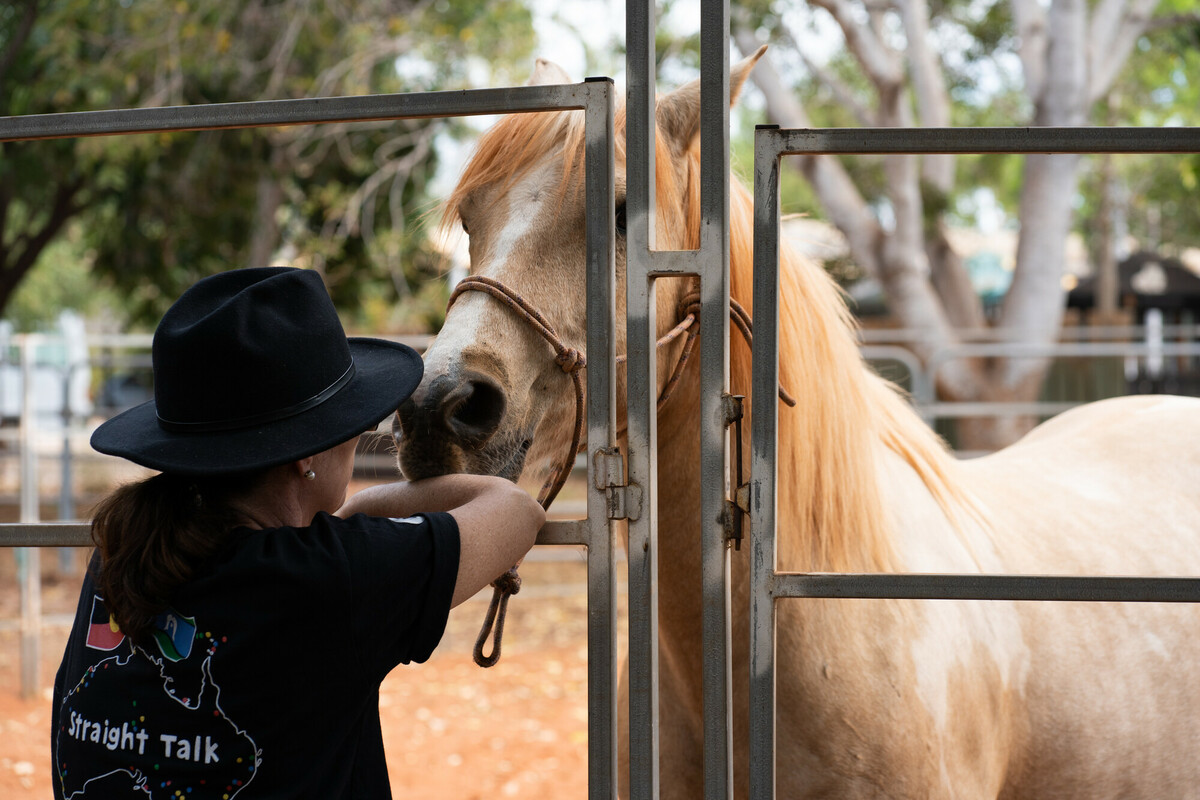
{"x":689,"y":306}
{"x":509,"y":582}
{"x":570,"y":360}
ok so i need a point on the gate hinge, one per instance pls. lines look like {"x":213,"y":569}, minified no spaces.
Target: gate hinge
{"x":736,"y":511}
{"x":742,"y":498}
{"x":737,"y":508}
{"x":624,"y":500}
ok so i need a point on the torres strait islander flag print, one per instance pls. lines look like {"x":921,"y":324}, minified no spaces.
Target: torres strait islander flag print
{"x":174,"y":634}
{"x":103,"y":632}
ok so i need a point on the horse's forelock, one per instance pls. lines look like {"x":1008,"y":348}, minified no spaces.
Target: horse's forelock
{"x":514,"y":146}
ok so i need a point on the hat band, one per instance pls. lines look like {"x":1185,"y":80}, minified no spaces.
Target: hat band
{"x":259,"y":419}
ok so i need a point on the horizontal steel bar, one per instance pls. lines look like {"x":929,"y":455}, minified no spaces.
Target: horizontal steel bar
{"x":46,"y":534}
{"x":574,"y":531}
{"x":987,"y":587}
{"x":672,"y":263}
{"x":304,"y":111}
{"x":959,"y":410}
{"x":79,"y":534}
{"x":797,"y":141}
{"x":1070,"y":333}
{"x":1067,"y":349}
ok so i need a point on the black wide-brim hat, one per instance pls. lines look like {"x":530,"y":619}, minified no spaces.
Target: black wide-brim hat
{"x":253,"y":369}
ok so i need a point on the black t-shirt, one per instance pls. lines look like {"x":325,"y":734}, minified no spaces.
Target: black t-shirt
{"x":264,"y":674}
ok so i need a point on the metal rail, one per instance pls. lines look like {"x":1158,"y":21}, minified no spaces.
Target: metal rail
{"x":830,"y":141}
{"x":304,"y":111}
{"x":1077,"y":588}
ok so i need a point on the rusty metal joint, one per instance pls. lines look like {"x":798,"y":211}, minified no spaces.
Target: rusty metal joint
{"x":622,"y":499}
{"x":624,"y":502}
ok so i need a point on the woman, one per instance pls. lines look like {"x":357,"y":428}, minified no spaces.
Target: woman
{"x":239,"y":614}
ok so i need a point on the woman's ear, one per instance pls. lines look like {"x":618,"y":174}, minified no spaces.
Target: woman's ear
{"x":304,"y":468}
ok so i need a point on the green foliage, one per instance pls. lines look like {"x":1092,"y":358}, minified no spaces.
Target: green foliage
{"x":61,"y":280}
{"x":159,"y":211}
{"x":1158,"y":88}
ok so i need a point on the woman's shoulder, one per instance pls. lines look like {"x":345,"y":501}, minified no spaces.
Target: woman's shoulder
{"x":328,"y":537}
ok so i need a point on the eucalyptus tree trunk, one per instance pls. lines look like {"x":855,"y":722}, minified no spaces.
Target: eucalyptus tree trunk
{"x":1071,"y":52}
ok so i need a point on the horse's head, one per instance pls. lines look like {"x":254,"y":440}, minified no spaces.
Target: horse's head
{"x":494,"y":400}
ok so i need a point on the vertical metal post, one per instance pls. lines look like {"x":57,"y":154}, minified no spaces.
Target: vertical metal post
{"x":29,"y":565}
{"x":711,"y":263}
{"x":763,"y":446}
{"x":641,"y":386}
{"x":602,"y":431}
{"x":714,"y":369}
{"x":66,"y":495}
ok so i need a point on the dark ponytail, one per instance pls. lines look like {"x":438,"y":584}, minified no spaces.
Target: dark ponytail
{"x":153,"y":536}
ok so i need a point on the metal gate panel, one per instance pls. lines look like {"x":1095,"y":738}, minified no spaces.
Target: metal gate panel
{"x":710,"y":264}
{"x":596,"y":98}
{"x":768,"y":585}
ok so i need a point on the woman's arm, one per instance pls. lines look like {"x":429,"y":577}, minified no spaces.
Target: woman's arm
{"x":497,"y":520}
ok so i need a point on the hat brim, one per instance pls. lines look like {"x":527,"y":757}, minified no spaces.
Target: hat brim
{"x":385,"y":374}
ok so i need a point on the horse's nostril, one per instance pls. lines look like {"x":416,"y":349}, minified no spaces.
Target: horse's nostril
{"x":474,"y":409}
{"x":462,"y":409}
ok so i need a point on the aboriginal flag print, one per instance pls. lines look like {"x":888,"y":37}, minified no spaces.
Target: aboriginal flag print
{"x":103,"y":632}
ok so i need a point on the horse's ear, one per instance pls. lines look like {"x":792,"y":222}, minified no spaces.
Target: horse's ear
{"x":548,"y":73}
{"x":741,"y":71}
{"x":678,"y":113}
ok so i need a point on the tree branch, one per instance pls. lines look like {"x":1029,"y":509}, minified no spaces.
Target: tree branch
{"x":6,"y":195}
{"x":16,"y":263}
{"x":845,"y":97}
{"x":837,"y":192}
{"x":1115,"y":30}
{"x":878,"y":61}
{"x":933,"y":101}
{"x":281,"y":53}
{"x":17,"y":42}
{"x":1030,"y":21}
{"x":1172,"y":21}
{"x":1063,"y":99}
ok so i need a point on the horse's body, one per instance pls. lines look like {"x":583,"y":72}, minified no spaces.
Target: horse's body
{"x":875,"y":698}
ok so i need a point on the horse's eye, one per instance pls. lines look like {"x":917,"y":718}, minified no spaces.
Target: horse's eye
{"x":466,"y":230}
{"x":621,"y":223}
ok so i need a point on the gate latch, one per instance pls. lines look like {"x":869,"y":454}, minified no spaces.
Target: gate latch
{"x":624,"y":500}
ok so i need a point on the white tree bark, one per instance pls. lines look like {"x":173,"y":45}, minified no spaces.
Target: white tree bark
{"x":929,"y":88}
{"x":1070,"y":55}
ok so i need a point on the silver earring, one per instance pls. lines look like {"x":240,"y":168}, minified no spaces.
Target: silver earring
{"x":310,"y":475}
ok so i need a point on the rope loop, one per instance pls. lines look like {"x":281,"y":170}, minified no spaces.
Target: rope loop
{"x":497,"y":611}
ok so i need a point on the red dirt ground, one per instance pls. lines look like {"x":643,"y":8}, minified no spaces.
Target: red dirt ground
{"x":453,"y":731}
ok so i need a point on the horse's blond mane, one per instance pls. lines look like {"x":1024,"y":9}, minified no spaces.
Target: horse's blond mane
{"x":827,"y":461}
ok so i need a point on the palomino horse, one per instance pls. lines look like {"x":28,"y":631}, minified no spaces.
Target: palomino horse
{"x":876,"y":698}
